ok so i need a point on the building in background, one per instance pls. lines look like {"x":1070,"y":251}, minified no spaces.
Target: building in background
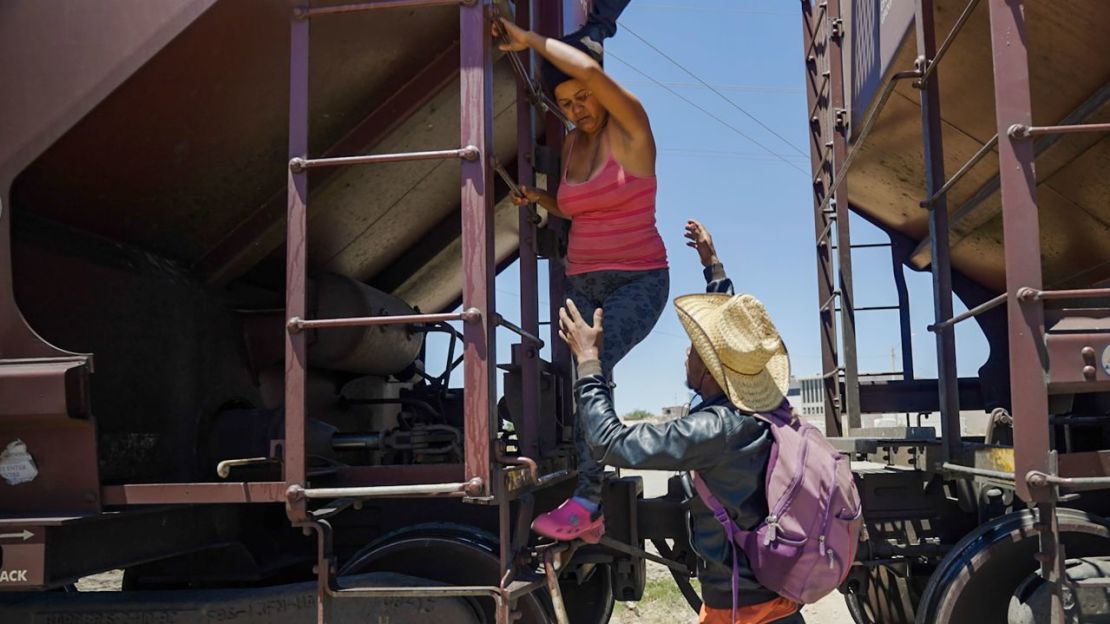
{"x":674,"y":411}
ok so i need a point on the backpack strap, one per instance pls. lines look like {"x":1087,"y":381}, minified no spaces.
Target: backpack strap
{"x":730,"y":527}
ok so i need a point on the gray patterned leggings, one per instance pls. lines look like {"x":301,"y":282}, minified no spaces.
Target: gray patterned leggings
{"x":633,"y":302}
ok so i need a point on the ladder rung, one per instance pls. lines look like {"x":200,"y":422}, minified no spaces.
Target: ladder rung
{"x":873,"y":308}
{"x":306,"y":12}
{"x":868,"y":245}
{"x":298,"y":165}
{"x":296,"y":324}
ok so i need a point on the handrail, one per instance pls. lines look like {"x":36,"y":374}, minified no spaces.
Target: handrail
{"x":943,"y":49}
{"x":1038,"y":479}
{"x":297,"y":165}
{"x":978,"y":472}
{"x":1033,"y":294}
{"x":516,"y":329}
{"x":466,"y":488}
{"x":1021,"y":131}
{"x":956,"y":177}
{"x":536,"y":92}
{"x":963,"y":316}
{"x":297,"y":324}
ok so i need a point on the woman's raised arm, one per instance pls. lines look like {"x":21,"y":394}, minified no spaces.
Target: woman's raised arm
{"x":624,"y":107}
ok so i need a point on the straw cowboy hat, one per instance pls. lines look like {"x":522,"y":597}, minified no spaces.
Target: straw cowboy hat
{"x":740,"y":346}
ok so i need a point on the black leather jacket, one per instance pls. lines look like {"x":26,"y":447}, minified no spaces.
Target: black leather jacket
{"x":727,"y":447}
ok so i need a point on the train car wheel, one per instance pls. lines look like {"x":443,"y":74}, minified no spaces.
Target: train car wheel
{"x":975,"y":581}
{"x":884,"y":594}
{"x":449,"y":553}
{"x":588,"y":594}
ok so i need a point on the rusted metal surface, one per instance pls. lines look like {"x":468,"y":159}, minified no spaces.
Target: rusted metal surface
{"x":838,"y":132}
{"x":45,"y":405}
{"x":1054,"y":155}
{"x":1072,"y":201}
{"x":1023,"y":270}
{"x":58,"y":550}
{"x":1079,"y":465}
{"x":352,"y":476}
{"x":813,"y":24}
{"x":553,"y":588}
{"x":212,"y":109}
{"x":934,"y":59}
{"x":1077,"y":350}
{"x":57,"y":86}
{"x":528,"y":265}
{"x":356,"y":7}
{"x":938,"y":226}
{"x":1023,"y":258}
{"x":296,"y":356}
{"x":258,"y":234}
{"x":479,"y":343}
{"x":105,"y":44}
{"x":192,"y":493}
{"x":869,"y":124}
{"x":293,"y":603}
{"x":550,"y":23}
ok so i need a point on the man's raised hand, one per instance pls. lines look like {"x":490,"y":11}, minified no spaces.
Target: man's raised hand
{"x":583,"y":339}
{"x":699,"y":239}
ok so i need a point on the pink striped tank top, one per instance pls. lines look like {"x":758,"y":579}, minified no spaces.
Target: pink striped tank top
{"x":612,"y":224}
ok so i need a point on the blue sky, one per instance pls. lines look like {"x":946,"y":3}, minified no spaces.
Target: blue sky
{"x":758,"y":207}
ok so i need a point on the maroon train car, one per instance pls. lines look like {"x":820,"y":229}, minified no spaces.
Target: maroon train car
{"x":227,"y":231}
{"x":975,"y":134}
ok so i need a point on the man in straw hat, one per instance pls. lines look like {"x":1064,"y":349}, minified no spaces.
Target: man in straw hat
{"x":738,"y":365}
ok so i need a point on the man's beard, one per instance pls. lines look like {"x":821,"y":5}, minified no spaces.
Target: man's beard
{"x":696,"y":387}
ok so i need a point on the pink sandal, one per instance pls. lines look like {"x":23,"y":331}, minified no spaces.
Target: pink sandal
{"x":569,"y":522}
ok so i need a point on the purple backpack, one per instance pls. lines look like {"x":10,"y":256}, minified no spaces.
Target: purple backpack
{"x":804,"y":548}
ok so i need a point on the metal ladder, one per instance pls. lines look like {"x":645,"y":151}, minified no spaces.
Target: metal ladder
{"x":478,"y":315}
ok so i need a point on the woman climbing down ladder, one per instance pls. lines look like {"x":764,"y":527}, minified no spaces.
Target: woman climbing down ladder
{"x":616,"y":259}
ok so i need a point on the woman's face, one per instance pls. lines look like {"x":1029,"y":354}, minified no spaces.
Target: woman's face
{"x":580,"y":106}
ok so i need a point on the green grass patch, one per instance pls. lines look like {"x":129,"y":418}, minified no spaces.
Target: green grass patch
{"x":662,"y":603}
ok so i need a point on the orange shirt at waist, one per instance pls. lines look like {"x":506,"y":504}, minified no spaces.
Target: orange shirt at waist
{"x":761,"y":613}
